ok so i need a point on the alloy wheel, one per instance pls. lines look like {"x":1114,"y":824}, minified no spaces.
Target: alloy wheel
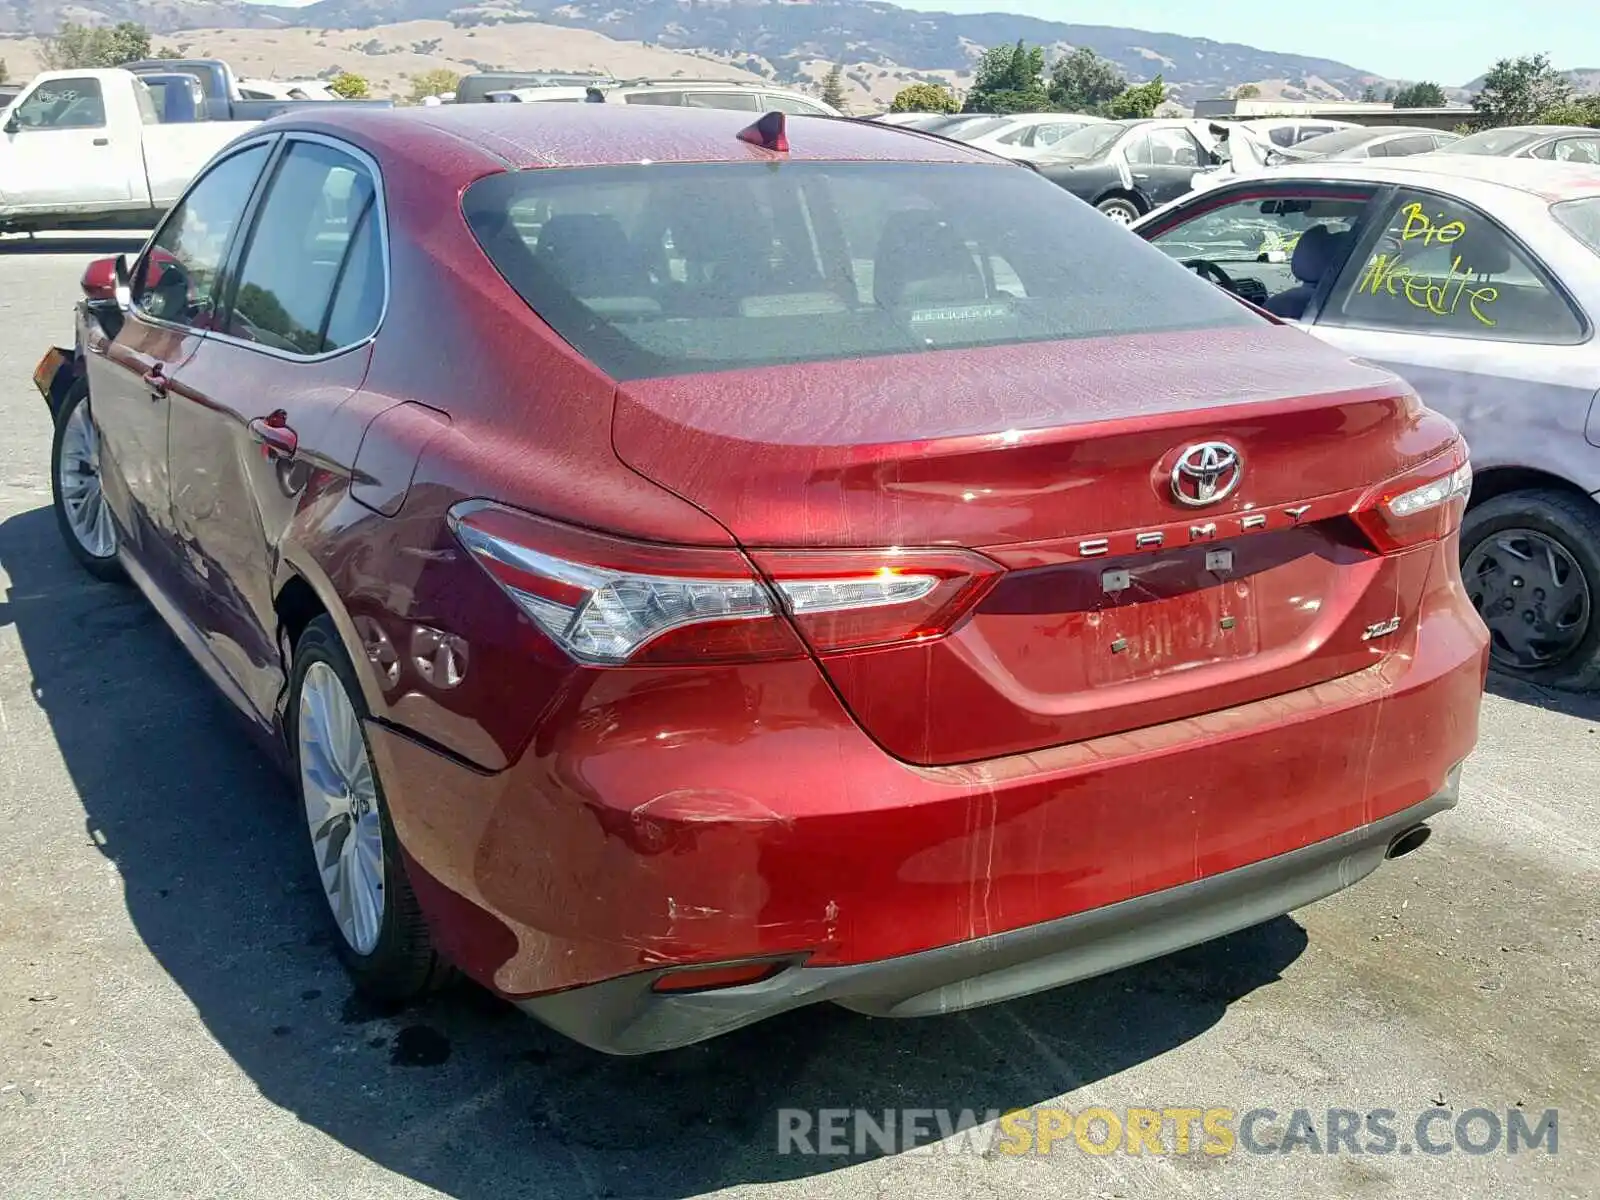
{"x":341,"y":804}
{"x":1532,"y":595}
{"x":78,"y":477}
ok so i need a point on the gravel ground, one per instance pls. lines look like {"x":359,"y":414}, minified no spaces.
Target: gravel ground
{"x":172,"y":1026}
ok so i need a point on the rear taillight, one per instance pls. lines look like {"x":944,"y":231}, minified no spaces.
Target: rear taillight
{"x":1424,"y":504}
{"x":610,"y":601}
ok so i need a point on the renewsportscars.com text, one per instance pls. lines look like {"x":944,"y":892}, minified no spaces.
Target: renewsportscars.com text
{"x":1167,"y":1131}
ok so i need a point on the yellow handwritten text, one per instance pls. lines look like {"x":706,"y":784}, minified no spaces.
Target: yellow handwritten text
{"x":1386,"y":274}
{"x":1419,"y":225}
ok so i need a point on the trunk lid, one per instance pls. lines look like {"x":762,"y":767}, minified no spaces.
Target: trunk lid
{"x":1120,"y":606}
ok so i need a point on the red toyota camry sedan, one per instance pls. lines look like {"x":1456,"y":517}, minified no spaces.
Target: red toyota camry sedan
{"x":692,"y":570}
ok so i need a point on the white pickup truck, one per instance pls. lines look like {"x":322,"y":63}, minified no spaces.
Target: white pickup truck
{"x":87,"y":150}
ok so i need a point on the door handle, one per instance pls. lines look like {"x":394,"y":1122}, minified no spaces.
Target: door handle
{"x":156,"y":380}
{"x":276,"y":438}
{"x":102,"y":141}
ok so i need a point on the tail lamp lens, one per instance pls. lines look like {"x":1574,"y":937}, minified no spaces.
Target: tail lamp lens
{"x":610,"y":601}
{"x":1423,"y":505}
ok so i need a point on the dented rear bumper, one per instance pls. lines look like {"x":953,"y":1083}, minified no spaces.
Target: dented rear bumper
{"x":665,"y":819}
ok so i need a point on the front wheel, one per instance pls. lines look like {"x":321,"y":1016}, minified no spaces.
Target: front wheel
{"x":1120,"y":209}
{"x":378,"y":927}
{"x":1531,"y":565}
{"x":79,"y":500}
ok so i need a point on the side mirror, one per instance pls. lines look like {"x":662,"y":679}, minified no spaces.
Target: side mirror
{"x":100,"y":280}
{"x":12,"y":124}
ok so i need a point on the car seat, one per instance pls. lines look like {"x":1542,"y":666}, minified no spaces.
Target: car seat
{"x":1320,"y":252}
{"x":921,"y":259}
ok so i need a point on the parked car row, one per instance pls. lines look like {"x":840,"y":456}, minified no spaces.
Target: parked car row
{"x":771,"y":561}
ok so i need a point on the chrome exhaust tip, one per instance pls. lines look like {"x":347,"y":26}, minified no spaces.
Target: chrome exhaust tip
{"x":1411,"y":839}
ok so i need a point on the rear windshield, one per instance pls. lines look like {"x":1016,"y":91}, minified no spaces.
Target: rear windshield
{"x":670,"y":269}
{"x":1581,"y":219}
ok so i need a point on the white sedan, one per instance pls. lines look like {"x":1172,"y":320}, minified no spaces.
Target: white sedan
{"x":1478,"y":280}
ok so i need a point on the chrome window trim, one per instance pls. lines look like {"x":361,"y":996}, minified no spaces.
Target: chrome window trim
{"x":231,"y":150}
{"x":380,"y":207}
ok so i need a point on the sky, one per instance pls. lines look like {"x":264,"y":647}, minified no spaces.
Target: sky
{"x":1447,"y":43}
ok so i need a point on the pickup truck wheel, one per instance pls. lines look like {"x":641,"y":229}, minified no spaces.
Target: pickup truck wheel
{"x":378,"y":928}
{"x":80,"y":501}
{"x":1531,"y":565}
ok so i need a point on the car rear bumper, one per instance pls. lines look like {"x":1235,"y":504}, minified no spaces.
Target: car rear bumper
{"x":625,"y":1016}
{"x":663,"y":819}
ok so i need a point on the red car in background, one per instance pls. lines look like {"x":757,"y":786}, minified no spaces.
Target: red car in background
{"x":693,"y":571}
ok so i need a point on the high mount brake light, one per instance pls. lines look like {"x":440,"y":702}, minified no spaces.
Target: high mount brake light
{"x":1422,"y":505}
{"x":610,"y":601}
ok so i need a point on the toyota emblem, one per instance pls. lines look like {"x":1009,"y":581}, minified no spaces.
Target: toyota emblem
{"x":1206,"y":473}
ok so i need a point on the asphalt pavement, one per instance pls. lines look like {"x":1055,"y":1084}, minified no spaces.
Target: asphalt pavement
{"x":172,"y":1023}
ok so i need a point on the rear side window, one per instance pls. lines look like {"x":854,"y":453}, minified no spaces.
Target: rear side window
{"x":311,"y":278}
{"x":744,"y":101}
{"x":672,"y":269}
{"x":1440,"y":266}
{"x":187,"y":252}
{"x":1581,"y":218}
{"x":674,"y":98}
{"x":788,"y":104}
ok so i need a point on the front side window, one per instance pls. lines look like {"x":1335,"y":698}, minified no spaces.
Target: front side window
{"x":63,"y":104}
{"x":1165,"y":148}
{"x":181,"y":266}
{"x":311,"y":278}
{"x":1442,"y":267}
{"x":675,"y":98}
{"x":1584,"y":150}
{"x":669,"y":269}
{"x":1256,"y":245}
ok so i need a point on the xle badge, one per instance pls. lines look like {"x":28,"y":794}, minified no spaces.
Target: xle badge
{"x":1381,"y":629}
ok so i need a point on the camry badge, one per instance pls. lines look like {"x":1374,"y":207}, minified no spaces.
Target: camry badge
{"x":1206,"y":473}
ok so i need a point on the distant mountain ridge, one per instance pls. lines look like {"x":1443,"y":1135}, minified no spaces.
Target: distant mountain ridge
{"x":787,"y":33}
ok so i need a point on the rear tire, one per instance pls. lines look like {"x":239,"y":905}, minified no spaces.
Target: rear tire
{"x":77,"y":496}
{"x":1122,"y":209}
{"x":1531,"y":564}
{"x":378,"y":929}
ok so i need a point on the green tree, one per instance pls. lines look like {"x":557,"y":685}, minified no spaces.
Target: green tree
{"x":925,"y":97}
{"x":5,"y":72}
{"x":348,"y":85}
{"x":833,"y":88}
{"x":1140,"y":101}
{"x":433,"y":83}
{"x":77,"y":46}
{"x":1248,"y":91}
{"x":1085,"y":82}
{"x":1369,"y":94}
{"x":1009,"y":79}
{"x":1582,"y":110}
{"x":1517,"y":90}
{"x":1420,"y":95}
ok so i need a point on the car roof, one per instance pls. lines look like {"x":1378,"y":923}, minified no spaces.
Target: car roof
{"x":521,"y":136}
{"x":1551,"y":181}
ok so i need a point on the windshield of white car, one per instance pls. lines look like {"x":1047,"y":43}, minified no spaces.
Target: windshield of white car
{"x":1492,"y":141}
{"x":1089,"y":142}
{"x":1580,"y":218}
{"x":969,"y":130}
{"x":1331,"y":143}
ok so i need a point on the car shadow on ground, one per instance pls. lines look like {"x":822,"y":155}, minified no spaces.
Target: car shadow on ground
{"x":465,"y":1094}
{"x":1583,"y":705}
{"x":74,"y":243}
